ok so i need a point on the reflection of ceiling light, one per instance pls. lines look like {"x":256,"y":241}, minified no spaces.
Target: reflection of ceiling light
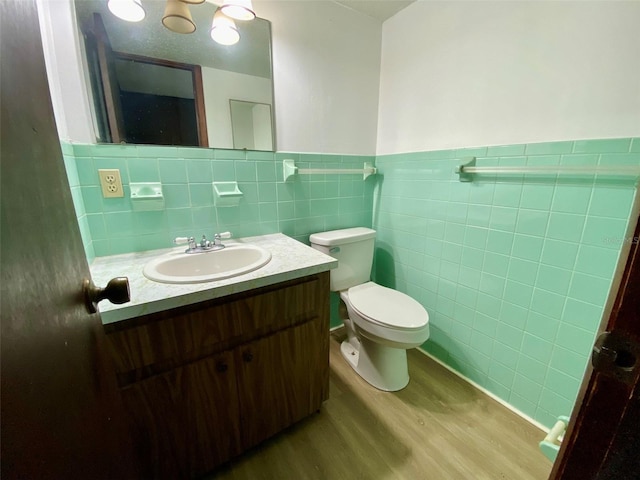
{"x":224,"y":30}
{"x":238,"y":9}
{"x":177,"y":17}
{"x":129,"y":10}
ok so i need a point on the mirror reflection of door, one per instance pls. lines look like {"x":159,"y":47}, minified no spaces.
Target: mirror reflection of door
{"x":146,"y":100}
{"x":162,"y":101}
{"x":251,"y":125}
{"x":105,"y":83}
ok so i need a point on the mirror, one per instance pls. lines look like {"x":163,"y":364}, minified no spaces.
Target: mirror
{"x":151,"y":85}
{"x":251,"y":125}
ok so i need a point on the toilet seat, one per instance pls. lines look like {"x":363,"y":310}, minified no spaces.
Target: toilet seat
{"x":387,"y":307}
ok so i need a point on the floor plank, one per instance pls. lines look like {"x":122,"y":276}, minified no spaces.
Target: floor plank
{"x":438,"y":427}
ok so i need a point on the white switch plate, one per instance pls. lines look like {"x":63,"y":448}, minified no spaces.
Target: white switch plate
{"x":111,"y":183}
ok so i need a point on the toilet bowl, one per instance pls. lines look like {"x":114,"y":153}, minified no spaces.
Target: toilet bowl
{"x":387,"y":316}
{"x":385,"y":323}
{"x":382,"y":323}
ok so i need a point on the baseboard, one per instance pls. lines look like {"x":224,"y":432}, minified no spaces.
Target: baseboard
{"x":505,"y":404}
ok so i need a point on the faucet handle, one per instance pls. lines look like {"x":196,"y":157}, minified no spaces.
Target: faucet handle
{"x":188,"y":240}
{"x":220,"y":236}
{"x":182,"y":240}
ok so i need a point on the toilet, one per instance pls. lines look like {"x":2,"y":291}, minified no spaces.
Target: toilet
{"x":383,"y":323}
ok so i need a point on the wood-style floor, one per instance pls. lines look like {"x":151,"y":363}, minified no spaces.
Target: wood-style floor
{"x":438,"y":427}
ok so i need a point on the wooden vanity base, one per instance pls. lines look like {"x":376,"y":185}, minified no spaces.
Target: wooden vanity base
{"x":203,"y":383}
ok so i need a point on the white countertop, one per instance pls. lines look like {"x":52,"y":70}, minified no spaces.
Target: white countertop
{"x":290,"y":259}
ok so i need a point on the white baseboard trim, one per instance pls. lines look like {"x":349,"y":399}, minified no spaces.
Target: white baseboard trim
{"x":505,"y":404}
{"x":335,"y":328}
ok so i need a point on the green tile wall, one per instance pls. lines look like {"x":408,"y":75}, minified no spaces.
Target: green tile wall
{"x":78,"y":203}
{"x":514,"y":270}
{"x":301,"y":206}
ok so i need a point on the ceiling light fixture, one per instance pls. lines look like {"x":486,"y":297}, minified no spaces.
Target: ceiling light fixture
{"x":238,"y":9}
{"x":223,"y":30}
{"x":177,"y":17}
{"x":129,"y":10}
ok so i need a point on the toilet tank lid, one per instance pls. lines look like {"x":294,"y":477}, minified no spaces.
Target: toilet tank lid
{"x":341,"y":237}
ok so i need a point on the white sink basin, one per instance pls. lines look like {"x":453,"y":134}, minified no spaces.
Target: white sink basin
{"x":180,"y":267}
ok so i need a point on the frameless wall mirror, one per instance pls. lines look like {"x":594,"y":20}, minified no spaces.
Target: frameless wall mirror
{"x":151,"y":85}
{"x":251,"y":125}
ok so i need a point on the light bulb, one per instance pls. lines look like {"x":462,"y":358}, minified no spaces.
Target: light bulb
{"x":238,"y":9}
{"x":129,"y":10}
{"x":223,"y":30}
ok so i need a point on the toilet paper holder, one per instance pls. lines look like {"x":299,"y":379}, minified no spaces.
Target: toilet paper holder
{"x":550,"y":446}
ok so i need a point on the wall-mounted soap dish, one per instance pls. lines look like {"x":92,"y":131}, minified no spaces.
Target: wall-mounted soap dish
{"x":147,"y":196}
{"x":226,"y":194}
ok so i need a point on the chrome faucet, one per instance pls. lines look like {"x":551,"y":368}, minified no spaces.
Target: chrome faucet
{"x":204,"y":245}
{"x":194,"y":247}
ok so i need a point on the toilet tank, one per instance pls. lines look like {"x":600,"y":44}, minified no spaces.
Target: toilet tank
{"x":353,"y":248}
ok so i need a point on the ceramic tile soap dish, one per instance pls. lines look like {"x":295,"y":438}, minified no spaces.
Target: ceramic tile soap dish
{"x":226,"y":194}
{"x":147,"y":196}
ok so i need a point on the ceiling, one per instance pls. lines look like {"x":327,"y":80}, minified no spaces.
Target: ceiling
{"x":380,"y":9}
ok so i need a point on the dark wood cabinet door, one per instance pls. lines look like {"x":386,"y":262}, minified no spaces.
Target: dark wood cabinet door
{"x":177,"y":418}
{"x":282,"y":378}
{"x":212,"y":413}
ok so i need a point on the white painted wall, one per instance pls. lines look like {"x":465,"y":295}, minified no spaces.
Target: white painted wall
{"x":219,"y":87}
{"x":459,"y":74}
{"x":453,"y":74}
{"x":262,"y":134}
{"x":242,"y":124}
{"x":326,"y":76}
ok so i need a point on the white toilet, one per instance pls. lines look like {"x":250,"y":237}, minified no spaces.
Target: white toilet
{"x":383,"y":323}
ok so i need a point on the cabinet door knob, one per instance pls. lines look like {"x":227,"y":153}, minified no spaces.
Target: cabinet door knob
{"x":247,"y":356}
{"x":222,"y":366}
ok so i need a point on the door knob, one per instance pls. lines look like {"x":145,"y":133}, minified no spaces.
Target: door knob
{"x":116,"y":291}
{"x":616,"y":355}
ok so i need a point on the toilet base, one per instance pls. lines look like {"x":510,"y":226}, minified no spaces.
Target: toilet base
{"x":383,"y":367}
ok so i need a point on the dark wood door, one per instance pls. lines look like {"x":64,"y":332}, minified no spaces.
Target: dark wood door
{"x":281,"y":379}
{"x":185,"y":422}
{"x":61,"y":415}
{"x":190,"y":113}
{"x":603,"y":438}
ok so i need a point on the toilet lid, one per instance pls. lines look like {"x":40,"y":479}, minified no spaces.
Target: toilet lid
{"x":387,"y":307}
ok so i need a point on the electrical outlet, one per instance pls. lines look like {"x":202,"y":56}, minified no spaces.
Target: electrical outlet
{"x":111,"y":183}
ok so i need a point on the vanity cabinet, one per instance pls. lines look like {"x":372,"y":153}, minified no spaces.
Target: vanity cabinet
{"x":203,"y":383}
